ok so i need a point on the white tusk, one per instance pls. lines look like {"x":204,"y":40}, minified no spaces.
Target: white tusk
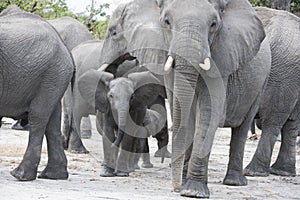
{"x":169,"y":64}
{"x":206,"y":65}
{"x":103,"y":67}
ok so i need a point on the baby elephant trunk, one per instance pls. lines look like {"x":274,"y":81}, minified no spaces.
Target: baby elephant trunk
{"x":122,"y":118}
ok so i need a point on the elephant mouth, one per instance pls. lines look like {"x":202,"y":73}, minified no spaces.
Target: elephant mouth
{"x":112,"y":67}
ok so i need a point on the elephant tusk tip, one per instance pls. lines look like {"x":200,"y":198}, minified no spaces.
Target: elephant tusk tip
{"x":103,"y":67}
{"x":206,"y":65}
{"x":169,"y":64}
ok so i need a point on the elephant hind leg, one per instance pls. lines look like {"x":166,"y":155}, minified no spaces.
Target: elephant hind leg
{"x":285,"y":164}
{"x":260,"y":163}
{"x":57,"y":161}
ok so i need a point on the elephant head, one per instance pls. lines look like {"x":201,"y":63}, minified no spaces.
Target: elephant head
{"x":134,"y":32}
{"x":210,"y":40}
{"x":123,"y":97}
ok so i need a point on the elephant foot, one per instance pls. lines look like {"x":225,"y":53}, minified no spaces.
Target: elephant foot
{"x":24,"y":174}
{"x":280,"y":171}
{"x":147,"y":165}
{"x":78,"y":150}
{"x":107,"y":172}
{"x":256,"y":170}
{"x":121,"y":173}
{"x":159,"y":153}
{"x":18,"y":126}
{"x":235,"y":178}
{"x":86,"y":134}
{"x":54,"y":173}
{"x":136,"y":166}
{"x":195,"y":189}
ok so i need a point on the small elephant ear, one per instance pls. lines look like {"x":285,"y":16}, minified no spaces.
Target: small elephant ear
{"x":91,"y":86}
{"x":240,"y":36}
{"x":147,"y":87}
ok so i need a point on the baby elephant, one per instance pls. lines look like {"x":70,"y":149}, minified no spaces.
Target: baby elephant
{"x":123,"y":103}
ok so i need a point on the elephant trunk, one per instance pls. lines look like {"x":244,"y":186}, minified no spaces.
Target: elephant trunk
{"x":122,"y":121}
{"x":185,"y":80}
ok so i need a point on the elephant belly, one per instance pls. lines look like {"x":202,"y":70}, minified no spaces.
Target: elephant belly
{"x":240,"y":98}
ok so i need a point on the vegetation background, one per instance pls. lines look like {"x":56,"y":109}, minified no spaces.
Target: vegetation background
{"x":96,"y":18}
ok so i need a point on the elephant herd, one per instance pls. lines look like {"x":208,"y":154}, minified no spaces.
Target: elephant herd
{"x":220,"y":63}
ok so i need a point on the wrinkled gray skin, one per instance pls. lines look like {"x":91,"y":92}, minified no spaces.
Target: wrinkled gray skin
{"x":86,"y":56}
{"x":123,"y":102}
{"x":37,"y":64}
{"x":230,"y":34}
{"x":279,"y":109}
{"x":72,"y":33}
{"x":134,"y":32}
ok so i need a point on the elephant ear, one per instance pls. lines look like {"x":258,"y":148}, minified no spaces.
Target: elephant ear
{"x":92,"y":88}
{"x":147,"y":87}
{"x":239,"y":39}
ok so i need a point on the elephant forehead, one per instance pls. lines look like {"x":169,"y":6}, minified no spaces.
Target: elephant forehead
{"x":122,"y":84}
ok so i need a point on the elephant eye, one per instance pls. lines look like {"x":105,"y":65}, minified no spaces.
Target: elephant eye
{"x":110,"y":95}
{"x":167,"y":22}
{"x":213,"y":24}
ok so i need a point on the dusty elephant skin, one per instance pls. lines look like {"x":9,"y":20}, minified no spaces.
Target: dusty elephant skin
{"x":123,"y":103}
{"x":279,"y":110}
{"x":73,"y":33}
{"x":35,"y":61}
{"x":218,"y":63}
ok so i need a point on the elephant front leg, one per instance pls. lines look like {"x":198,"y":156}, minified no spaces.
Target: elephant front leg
{"x":57,"y":161}
{"x":110,"y":152}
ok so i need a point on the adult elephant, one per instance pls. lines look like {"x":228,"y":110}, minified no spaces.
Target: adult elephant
{"x":123,"y":102}
{"x":218,"y":62}
{"x":36,"y":69}
{"x":133,"y":33}
{"x":73,"y":33}
{"x":279,"y":110}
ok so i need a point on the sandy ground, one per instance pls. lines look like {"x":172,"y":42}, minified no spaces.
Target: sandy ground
{"x":85,"y":183}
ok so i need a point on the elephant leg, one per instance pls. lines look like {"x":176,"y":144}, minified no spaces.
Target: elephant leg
{"x":234,"y":175}
{"x":145,"y":154}
{"x":110,"y":151}
{"x":126,"y":151}
{"x":40,"y":112}
{"x":67,"y":116}
{"x":86,"y":128}
{"x":75,"y":144}
{"x":285,"y":164}
{"x":260,"y":163}
{"x":57,"y":161}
